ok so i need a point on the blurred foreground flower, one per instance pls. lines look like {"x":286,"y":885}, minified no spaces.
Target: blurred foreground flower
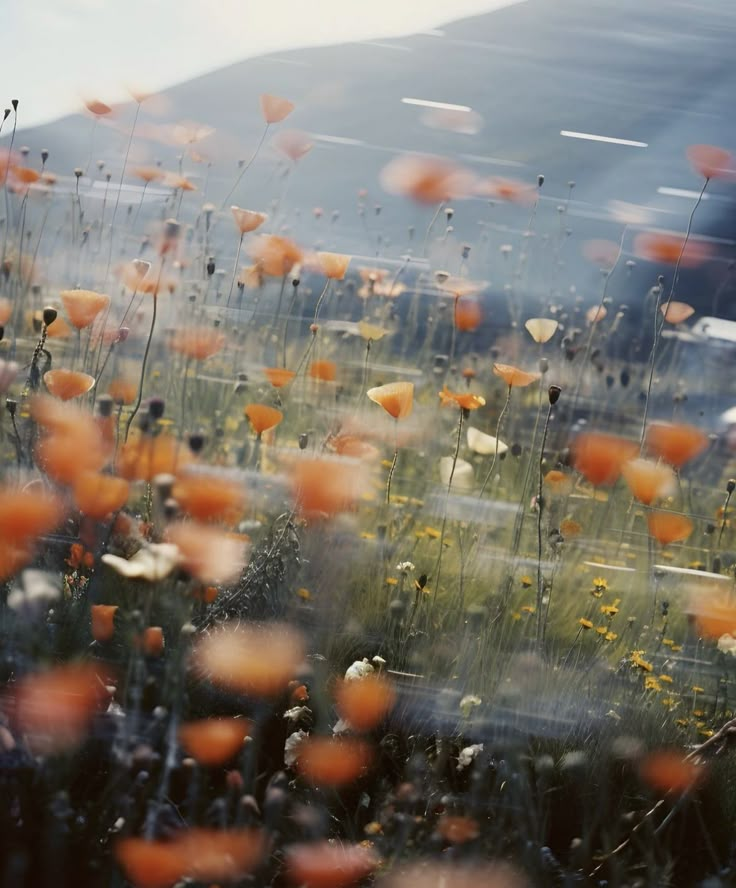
{"x":153,"y":562}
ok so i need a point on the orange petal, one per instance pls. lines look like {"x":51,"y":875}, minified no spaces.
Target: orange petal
{"x":213,"y":741}
{"x":514,"y":377}
{"x":143,"y":457}
{"x":328,"y":865}
{"x":254,"y":660}
{"x":668,"y":770}
{"x":83,"y":306}
{"x":67,"y":384}
{"x":98,"y":495}
{"x":669,"y":527}
{"x":396,"y":398}
{"x":208,"y":554}
{"x":599,"y":458}
{"x":103,"y":621}
{"x":278,"y":376}
{"x":262,"y":417}
{"x":648,"y":480}
{"x":274,"y":108}
{"x":207,"y":496}
{"x":325,"y":371}
{"x":711,"y":162}
{"x":676,"y":443}
{"x":198,"y":343}
{"x":326,"y":486}
{"x":332,"y":761}
{"x":365,"y":702}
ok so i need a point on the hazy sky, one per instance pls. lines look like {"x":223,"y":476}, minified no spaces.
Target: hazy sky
{"x":56,"y":52}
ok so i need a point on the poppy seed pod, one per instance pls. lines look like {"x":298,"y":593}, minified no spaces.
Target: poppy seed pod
{"x":156,"y":408}
{"x":49,"y":315}
{"x":730,"y":485}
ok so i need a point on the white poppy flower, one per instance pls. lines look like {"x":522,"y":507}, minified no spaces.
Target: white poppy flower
{"x":152,"y":562}
{"x":485,"y":445}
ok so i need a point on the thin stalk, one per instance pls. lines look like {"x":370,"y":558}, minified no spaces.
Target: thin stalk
{"x":321,"y":299}
{"x":495,"y":452}
{"x":235,"y":270}
{"x":541,"y":624}
{"x":438,"y":569}
{"x":657,"y":325}
{"x":120,"y":188}
{"x":245,"y":168}
{"x":145,"y":355}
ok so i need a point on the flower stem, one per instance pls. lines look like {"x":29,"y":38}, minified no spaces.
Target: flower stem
{"x":495,"y":452}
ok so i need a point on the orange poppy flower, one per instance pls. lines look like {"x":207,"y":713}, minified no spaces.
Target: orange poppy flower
{"x":711,"y":162}
{"x":178,"y":182}
{"x":669,"y":527}
{"x":648,"y":480}
{"x":25,"y":175}
{"x":325,"y":371}
{"x":142,"y":457}
{"x":396,"y":398}
{"x":328,"y":865}
{"x":514,"y":377}
{"x":325,"y":486}
{"x":123,"y":391}
{"x":278,"y":376}
{"x":65,"y":456}
{"x":248,"y":659}
{"x":67,"y":384}
{"x":274,"y":109}
{"x":148,"y":173}
{"x":427,"y":180}
{"x":467,"y":315}
{"x":198,"y":343}
{"x":103,"y":621}
{"x":6,"y":310}
{"x":668,"y":770}
{"x":205,"y":855}
{"x":262,"y":417}
{"x":247,"y":220}
{"x":83,"y":306}
{"x":351,"y":445}
{"x":458,"y":830}
{"x":152,"y":641}
{"x":558,"y":483}
{"x":602,"y":253}
{"x":275,"y":256}
{"x":466,"y":400}
{"x":511,"y":190}
{"x":98,"y":108}
{"x":714,"y":616}
{"x":596,"y":313}
{"x":98,"y":495}
{"x":208,"y":554}
{"x":294,"y":144}
{"x":150,"y":864}
{"x":365,"y":702}
{"x":599,"y":458}
{"x":332,"y":761}
{"x":676,"y":312}
{"x":676,"y":443}
{"x":213,"y":741}
{"x":333,"y":265}
{"x":55,"y":708}
{"x":210,"y":497}
{"x":668,"y":247}
{"x":25,"y":515}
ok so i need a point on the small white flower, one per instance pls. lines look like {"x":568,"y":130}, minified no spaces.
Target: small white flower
{"x":291,"y":747}
{"x":727,"y":644}
{"x":484,"y":444}
{"x":468,"y":754}
{"x":35,"y":592}
{"x":152,"y":562}
{"x":405,"y":567}
{"x":379,"y":661}
{"x":462,"y":477}
{"x":359,"y":669}
{"x":468,"y":704}
{"x":296,"y":712}
{"x":341,"y":727}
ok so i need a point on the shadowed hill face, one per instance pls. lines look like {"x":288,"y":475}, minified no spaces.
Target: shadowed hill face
{"x":656,"y":75}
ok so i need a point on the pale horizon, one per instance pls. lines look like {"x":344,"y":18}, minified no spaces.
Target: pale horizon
{"x":96,"y":49}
